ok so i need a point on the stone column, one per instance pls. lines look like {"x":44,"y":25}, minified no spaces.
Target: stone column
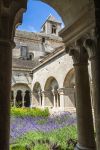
{"x":5,"y":82}
{"x":86,"y":140}
{"x":62,"y":100}
{"x":57,"y":97}
{"x":94,"y":55}
{"x":15,"y":98}
{"x":10,"y":16}
{"x":54,"y":98}
{"x":43,"y":98}
{"x":31,"y":97}
{"x":23,"y":101}
{"x":40,"y":98}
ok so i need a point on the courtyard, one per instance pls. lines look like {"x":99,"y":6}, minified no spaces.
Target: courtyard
{"x":38,"y":130}
{"x":49,"y":73}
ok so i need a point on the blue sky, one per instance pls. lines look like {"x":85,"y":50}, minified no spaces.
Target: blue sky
{"x":36,"y":14}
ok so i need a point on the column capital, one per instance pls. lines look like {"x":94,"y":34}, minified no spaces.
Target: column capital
{"x":91,"y":48}
{"x":79,"y":53}
{"x":61,"y":91}
{"x":54,"y":91}
{"x":11,"y":12}
{"x":23,"y":93}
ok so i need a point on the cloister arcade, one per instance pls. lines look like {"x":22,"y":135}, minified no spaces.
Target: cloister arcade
{"x":21,"y":95}
{"x":53,"y":96}
{"x":37,"y":97}
{"x":80,"y":18}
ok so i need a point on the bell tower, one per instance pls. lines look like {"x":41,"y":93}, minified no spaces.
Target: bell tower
{"x":51,"y":26}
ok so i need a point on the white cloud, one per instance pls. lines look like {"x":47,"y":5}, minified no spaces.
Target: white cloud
{"x":62,"y":25}
{"x":31,"y":29}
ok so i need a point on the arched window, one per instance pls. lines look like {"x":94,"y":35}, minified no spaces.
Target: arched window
{"x":31,"y":56}
{"x":27,"y":99}
{"x":19,"y":98}
{"x":54,"y":29}
{"x":43,"y":40}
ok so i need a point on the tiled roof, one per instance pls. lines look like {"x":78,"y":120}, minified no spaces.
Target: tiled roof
{"x":27,"y":64}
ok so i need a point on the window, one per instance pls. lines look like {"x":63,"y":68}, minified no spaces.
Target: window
{"x":54,"y":29}
{"x":24,"y":51}
{"x":31,"y":56}
{"x":43,"y":40}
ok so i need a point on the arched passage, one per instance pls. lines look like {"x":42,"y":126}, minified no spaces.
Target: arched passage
{"x":19,"y":98}
{"x":27,"y":98}
{"x":37,"y":95}
{"x":69,"y":88}
{"x":69,"y":80}
{"x":21,"y":93}
{"x":64,"y":7}
{"x":51,"y":93}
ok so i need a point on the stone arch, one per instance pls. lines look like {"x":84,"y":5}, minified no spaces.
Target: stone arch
{"x":69,"y":86}
{"x":51,"y":87}
{"x":37,"y":95}
{"x":68,"y":10}
{"x":51,"y":83}
{"x":69,"y":80}
{"x":21,"y":99}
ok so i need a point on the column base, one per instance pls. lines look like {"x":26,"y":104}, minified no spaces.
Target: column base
{"x":78,"y":147}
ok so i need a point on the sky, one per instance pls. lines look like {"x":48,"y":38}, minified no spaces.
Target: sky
{"x":36,"y":14}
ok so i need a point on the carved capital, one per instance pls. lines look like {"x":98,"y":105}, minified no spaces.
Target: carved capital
{"x":61,"y":91}
{"x":91,"y":48}
{"x":79,"y":53}
{"x":11,"y":12}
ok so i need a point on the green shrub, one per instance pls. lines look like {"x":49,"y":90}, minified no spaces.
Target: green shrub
{"x":64,"y":138}
{"x":33,"y":112}
{"x":41,"y":147}
{"x":17,"y":147}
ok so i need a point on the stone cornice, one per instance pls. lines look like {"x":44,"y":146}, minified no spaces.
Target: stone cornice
{"x":78,"y":28}
{"x":21,"y":69}
{"x":36,"y":36}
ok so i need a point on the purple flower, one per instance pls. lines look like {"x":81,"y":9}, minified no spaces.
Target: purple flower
{"x":20,"y":126}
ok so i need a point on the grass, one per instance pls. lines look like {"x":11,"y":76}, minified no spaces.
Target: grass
{"x":44,"y":141}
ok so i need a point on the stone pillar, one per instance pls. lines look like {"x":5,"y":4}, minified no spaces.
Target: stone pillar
{"x":86,"y":140}
{"x":54,"y":98}
{"x":57,"y":97}
{"x":15,"y":98}
{"x":23,"y":101}
{"x":43,"y":98}
{"x":10,"y":16}
{"x":31,"y":98}
{"x":40,"y":98}
{"x":62,"y":100}
{"x":5,"y":82}
{"x":94,"y":55}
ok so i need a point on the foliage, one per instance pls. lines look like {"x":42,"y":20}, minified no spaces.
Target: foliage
{"x":33,"y":112}
{"x":54,"y":132}
{"x":57,"y":139}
